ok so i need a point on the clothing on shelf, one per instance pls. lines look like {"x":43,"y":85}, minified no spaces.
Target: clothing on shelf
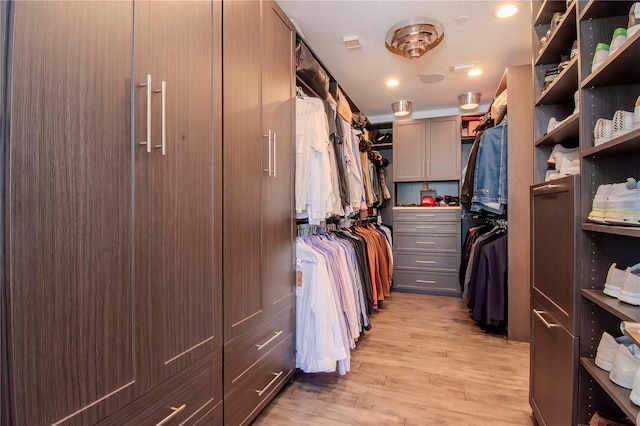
{"x":345,"y":273}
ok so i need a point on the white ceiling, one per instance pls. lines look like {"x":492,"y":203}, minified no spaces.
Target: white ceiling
{"x":493,"y":44}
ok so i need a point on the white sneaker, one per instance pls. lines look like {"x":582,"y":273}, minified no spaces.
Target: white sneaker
{"x":618,"y":39}
{"x":607,"y":349}
{"x":623,"y":204}
{"x":625,"y":363}
{"x":635,"y":389}
{"x":634,"y":20}
{"x":636,"y":113}
{"x":601,"y":55}
{"x":599,"y":205}
{"x":630,"y":292}
{"x":622,"y":123}
{"x":615,"y":281}
{"x":603,"y":131}
{"x":553,"y":123}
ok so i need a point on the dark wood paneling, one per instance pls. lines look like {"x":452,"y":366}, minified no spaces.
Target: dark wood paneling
{"x":278,"y":116}
{"x":4,"y":364}
{"x":244,"y":159}
{"x":212,"y":418}
{"x":181,"y":187}
{"x":69,"y":215}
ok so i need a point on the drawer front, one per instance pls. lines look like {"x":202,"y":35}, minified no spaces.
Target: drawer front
{"x":427,"y":261}
{"x":441,"y":282}
{"x":426,"y":214}
{"x":428,"y":227}
{"x":242,"y":353}
{"x":446,"y":243}
{"x":212,"y":418}
{"x":181,"y":399}
{"x":260,"y":384}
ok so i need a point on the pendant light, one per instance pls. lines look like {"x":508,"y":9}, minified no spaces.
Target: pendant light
{"x":401,"y":108}
{"x":469,"y":100}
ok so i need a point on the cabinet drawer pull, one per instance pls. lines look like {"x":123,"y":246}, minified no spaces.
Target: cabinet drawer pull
{"x":425,"y":215}
{"x":275,"y":154}
{"x":147,"y":84}
{"x":268,"y":136}
{"x":544,"y":321}
{"x":163,"y":124}
{"x":175,"y":412}
{"x":425,"y":242}
{"x":274,"y":337}
{"x":425,"y":227}
{"x":425,"y":282}
{"x":275,"y":378}
{"x":430,"y":262}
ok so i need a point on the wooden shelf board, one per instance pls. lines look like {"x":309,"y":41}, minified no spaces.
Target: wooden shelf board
{"x":619,"y":394}
{"x":381,"y":145}
{"x":561,"y":39}
{"x":569,"y":129}
{"x":604,"y":9}
{"x":627,"y":231}
{"x":549,"y":7}
{"x":612,"y":305}
{"x":623,"y":67}
{"x":563,"y":87}
{"x":625,"y":144}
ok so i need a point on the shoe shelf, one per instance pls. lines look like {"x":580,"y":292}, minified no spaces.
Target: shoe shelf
{"x":549,"y":7}
{"x":622,"y":67}
{"x":623,"y":311}
{"x":562,"y":38}
{"x":619,"y":394}
{"x":604,"y":9}
{"x":569,"y":129}
{"x":563,"y":87}
{"x":626,"y":144}
{"x":627,"y":231}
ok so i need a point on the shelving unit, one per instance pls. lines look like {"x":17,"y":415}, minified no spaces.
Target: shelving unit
{"x":615,"y":85}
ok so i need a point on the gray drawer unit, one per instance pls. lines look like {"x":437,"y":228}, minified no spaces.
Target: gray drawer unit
{"x":426,"y":250}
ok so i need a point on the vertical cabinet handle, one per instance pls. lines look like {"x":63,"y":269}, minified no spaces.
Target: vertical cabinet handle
{"x":275,"y":154}
{"x":268,"y":136}
{"x":264,"y":389}
{"x":147,"y":84}
{"x":544,"y":321}
{"x":163,"y":91}
{"x":175,"y":411}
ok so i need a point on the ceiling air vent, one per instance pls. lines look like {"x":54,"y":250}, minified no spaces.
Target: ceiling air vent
{"x":414,"y":37}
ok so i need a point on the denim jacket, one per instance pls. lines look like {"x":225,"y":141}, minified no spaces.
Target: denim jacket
{"x":490,"y":175}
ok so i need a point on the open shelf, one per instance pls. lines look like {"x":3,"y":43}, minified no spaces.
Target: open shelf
{"x":627,"y":231}
{"x":569,"y":129}
{"x":604,"y":9}
{"x":561,"y":39}
{"x":625,"y":144}
{"x":619,"y":394}
{"x":549,"y":7}
{"x":623,"y":67}
{"x":563,"y":87}
{"x":612,"y":305}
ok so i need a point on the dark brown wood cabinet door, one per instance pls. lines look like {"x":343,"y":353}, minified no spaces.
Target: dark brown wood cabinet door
{"x":69,"y":227}
{"x":278,"y":111}
{"x":244,"y":164}
{"x":185,"y":315}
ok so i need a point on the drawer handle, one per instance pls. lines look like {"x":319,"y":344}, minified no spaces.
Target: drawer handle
{"x":425,"y":242}
{"x":425,"y":215}
{"x":175,"y":410}
{"x":275,"y":378}
{"x":274,"y":337}
{"x":430,"y":262}
{"x":425,"y":282}
{"x":544,"y":321}
{"x":425,"y":227}
{"x":545,"y":188}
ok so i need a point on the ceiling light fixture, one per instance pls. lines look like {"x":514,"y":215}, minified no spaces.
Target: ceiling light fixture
{"x":469,"y":100}
{"x":507,"y":11}
{"x":392,"y":82}
{"x":474,"y":72}
{"x":401,"y":108}
{"x":414,"y":37}
{"x":461,"y":67}
{"x":351,"y":42}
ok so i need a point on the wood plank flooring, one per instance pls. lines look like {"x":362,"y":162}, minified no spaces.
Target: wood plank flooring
{"x":425,"y":362}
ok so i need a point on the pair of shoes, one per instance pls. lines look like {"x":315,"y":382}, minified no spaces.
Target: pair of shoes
{"x":607,"y":349}
{"x":601,"y":419}
{"x":600,"y":56}
{"x":617,"y":204}
{"x":634,"y":20}
{"x":623,"y":122}
{"x":626,"y":362}
{"x":618,"y":39}
{"x":624,"y":285}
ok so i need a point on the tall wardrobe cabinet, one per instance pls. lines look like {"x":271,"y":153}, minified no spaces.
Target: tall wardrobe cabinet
{"x":111,"y":213}
{"x":258,"y":255}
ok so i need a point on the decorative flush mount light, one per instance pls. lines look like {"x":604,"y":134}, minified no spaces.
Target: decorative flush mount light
{"x":351,"y":42}
{"x":506,"y":11}
{"x":469,"y":100}
{"x":401,"y":108}
{"x":414,"y":37}
{"x":474,"y":72}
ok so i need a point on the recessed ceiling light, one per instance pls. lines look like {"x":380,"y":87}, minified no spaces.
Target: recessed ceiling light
{"x":507,"y":11}
{"x":474,"y":72}
{"x":462,"y":19}
{"x":392,"y":82}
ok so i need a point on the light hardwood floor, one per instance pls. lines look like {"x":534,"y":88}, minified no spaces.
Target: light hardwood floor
{"x":425,"y":362}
